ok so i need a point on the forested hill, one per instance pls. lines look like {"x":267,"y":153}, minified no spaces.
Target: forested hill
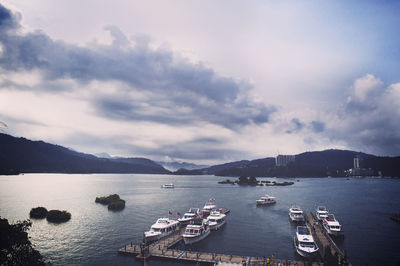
{"x":308,"y":164}
{"x":20,"y":155}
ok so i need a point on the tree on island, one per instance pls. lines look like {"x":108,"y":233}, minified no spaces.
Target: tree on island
{"x":38,"y":213}
{"x":247,"y":181}
{"x":57,"y":216}
{"x":114,"y":202}
{"x":15,"y":247}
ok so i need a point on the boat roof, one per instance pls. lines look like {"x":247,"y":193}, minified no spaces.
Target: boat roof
{"x":296,"y":210}
{"x":164,"y":222}
{"x":216,"y":214}
{"x":331,"y":220}
{"x":321,"y":208}
{"x":193,"y":226}
{"x":304,"y":234}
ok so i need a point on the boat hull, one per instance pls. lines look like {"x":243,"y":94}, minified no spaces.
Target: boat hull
{"x":216,"y":226}
{"x":304,"y":253}
{"x":193,"y":239}
{"x":298,"y":219}
{"x":332,"y":232}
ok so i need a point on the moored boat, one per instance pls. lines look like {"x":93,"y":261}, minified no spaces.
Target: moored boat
{"x":321,"y":212}
{"x":304,"y":242}
{"x":296,"y":214}
{"x":168,"y":186}
{"x":195,"y":233}
{"x":266,"y":200}
{"x":162,"y":228}
{"x":332,"y":226}
{"x":191,"y":215}
{"x":209,"y":207}
{"x":215,"y":220}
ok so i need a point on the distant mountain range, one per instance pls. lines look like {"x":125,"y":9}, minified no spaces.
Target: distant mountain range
{"x":173,"y":166}
{"x":308,"y":164}
{"x":20,"y":155}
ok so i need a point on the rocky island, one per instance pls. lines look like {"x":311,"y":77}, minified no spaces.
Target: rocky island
{"x":114,"y":202}
{"x":57,"y":216}
{"x":38,"y":213}
{"x":252,"y":181}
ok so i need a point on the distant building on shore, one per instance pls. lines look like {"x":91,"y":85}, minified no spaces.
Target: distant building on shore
{"x":356,"y":162}
{"x":357,"y":170}
{"x":283,"y":160}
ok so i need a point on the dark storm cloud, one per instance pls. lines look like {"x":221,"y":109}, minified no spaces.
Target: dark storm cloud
{"x":195,"y":149}
{"x":178,"y":91}
{"x":295,"y":126}
{"x":317,"y":126}
{"x":370,"y":123}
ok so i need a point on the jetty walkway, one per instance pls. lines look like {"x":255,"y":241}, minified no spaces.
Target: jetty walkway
{"x":163,"y":249}
{"x":324,"y":241}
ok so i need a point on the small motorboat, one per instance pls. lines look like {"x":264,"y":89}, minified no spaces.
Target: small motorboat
{"x":195,"y":232}
{"x":191,"y":215}
{"x":215,"y":220}
{"x":304,"y":242}
{"x":296,"y":214}
{"x":162,"y":228}
{"x":266,"y":200}
{"x":331,"y":225}
{"x":168,"y":186}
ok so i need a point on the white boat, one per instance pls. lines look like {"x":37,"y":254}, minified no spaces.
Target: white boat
{"x":304,"y":242}
{"x":168,"y":186}
{"x":191,"y":215}
{"x":195,"y":233}
{"x":215,"y":220}
{"x":266,"y":200}
{"x":209,"y":207}
{"x":162,"y":228}
{"x":321,"y":212}
{"x":331,"y":225}
{"x":296,"y":214}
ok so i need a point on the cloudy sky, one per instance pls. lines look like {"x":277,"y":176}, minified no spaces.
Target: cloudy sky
{"x":202,"y":81}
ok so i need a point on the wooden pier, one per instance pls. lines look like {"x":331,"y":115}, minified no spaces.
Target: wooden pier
{"x":163,"y":249}
{"x":324,"y":241}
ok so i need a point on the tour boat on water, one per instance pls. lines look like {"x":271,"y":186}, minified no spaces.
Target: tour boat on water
{"x":304,"y":242}
{"x":321,"y":212}
{"x":266,"y":200}
{"x":296,"y":214}
{"x":168,"y":186}
{"x":163,"y":227}
{"x":331,"y":225}
{"x":209,"y":207}
{"x":195,"y":233}
{"x":215,"y":220}
{"x":191,"y":215}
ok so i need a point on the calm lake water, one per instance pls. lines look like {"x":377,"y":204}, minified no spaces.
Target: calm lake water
{"x":94,"y":234}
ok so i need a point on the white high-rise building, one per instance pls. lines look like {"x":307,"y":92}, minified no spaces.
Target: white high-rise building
{"x":356,"y":162}
{"x":283,"y":160}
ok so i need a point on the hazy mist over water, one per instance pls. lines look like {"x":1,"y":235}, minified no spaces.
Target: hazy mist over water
{"x":94,"y":234}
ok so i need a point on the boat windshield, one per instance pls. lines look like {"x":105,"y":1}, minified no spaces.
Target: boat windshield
{"x":155,"y":229}
{"x":302,"y":230}
{"x":337,"y":227}
{"x":322,"y":209}
{"x":306,"y":244}
{"x":192,"y":231}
